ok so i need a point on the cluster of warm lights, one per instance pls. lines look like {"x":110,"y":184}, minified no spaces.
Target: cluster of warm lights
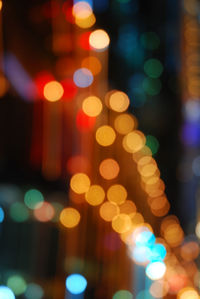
{"x":113,"y":201}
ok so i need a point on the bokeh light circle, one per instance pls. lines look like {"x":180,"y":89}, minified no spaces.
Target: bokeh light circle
{"x":6,"y":293}
{"x":99,"y":40}
{"x":119,"y":101}
{"x":108,"y":211}
{"x":109,"y":169}
{"x":80,"y":183}
{"x":122,"y":294}
{"x":83,"y":77}
{"x":155,"y":270}
{"x":124,"y":124}
{"x":17,"y":284}
{"x":76,"y":284}
{"x":33,"y":199}
{"x":95,"y":195}
{"x":92,"y":106}
{"x":45,"y":212}
{"x":53,"y":91}
{"x":70,"y":217}
{"x":105,"y":135}
{"x":117,"y":194}
{"x":34,"y":291}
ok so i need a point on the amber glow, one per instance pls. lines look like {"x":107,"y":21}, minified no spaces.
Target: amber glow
{"x":95,"y":195}
{"x":93,"y":64}
{"x":99,"y":40}
{"x":86,"y":22}
{"x":117,"y":194}
{"x":124,"y":124}
{"x":92,"y":106}
{"x":128,"y":207}
{"x":105,"y":135}
{"x":53,"y":91}
{"x":133,"y":141}
{"x":121,"y":223}
{"x":119,"y":101}
{"x":109,"y":210}
{"x":173,"y":234}
{"x":109,"y":169}
{"x":70,"y":217}
{"x":188,"y":293}
{"x":80,"y":183}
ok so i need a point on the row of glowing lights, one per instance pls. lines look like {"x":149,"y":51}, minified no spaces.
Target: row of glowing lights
{"x":76,"y":284}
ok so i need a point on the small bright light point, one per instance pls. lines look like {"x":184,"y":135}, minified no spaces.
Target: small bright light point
{"x":70,"y":217}
{"x":17,"y":284}
{"x":53,"y":91}
{"x":109,"y":169}
{"x":124,"y":124}
{"x":93,"y":64}
{"x":123,"y":294}
{"x":117,"y":194}
{"x":34,"y":291}
{"x":1,"y":5}
{"x":6,"y":293}
{"x":108,"y":211}
{"x":188,"y":293}
{"x":99,"y":40}
{"x":76,"y":284}
{"x":1,"y":215}
{"x":95,"y":195}
{"x":92,"y":106}
{"x":156,"y":270}
{"x":45,"y":212}
{"x":121,"y":223}
{"x":119,"y":101}
{"x":134,"y":141}
{"x":105,"y":135}
{"x":33,"y":199}
{"x":83,"y":77}
{"x":80,"y":183}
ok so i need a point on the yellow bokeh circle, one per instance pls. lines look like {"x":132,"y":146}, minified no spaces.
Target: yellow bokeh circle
{"x":105,"y":135}
{"x":80,"y":183}
{"x":117,"y":194}
{"x":92,"y":106}
{"x":53,"y":91}
{"x":95,"y":195}
{"x":70,"y":217}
